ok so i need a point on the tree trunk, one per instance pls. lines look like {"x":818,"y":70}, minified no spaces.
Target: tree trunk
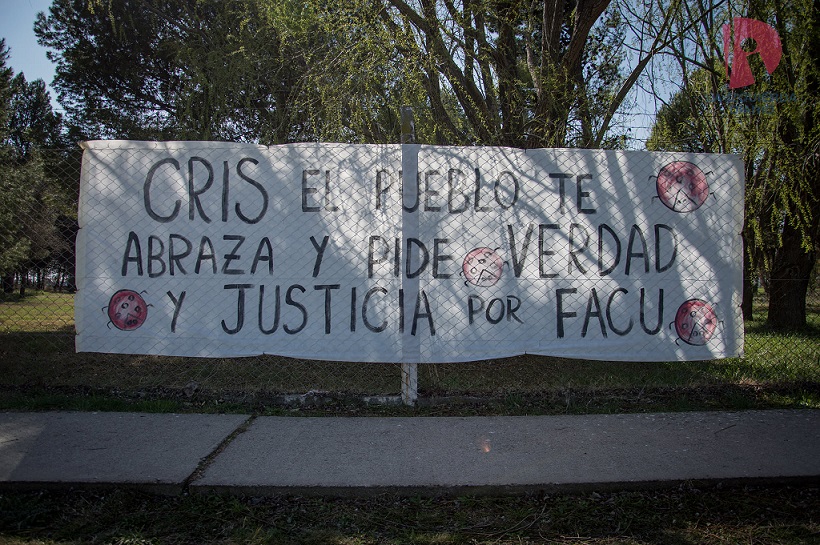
{"x":8,"y":283}
{"x":749,"y":283}
{"x":790,"y":277}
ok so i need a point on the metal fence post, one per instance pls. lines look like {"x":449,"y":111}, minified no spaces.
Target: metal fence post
{"x":409,"y":371}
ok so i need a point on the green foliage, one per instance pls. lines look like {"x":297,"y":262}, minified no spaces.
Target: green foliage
{"x":356,"y":75}
{"x":175,"y":69}
{"x":481,"y":72}
{"x":31,"y":197}
{"x":39,"y":368}
{"x":773,"y":126}
{"x":32,"y":124}
{"x":603,"y":59}
{"x":685,"y":123}
{"x":6,"y":75}
{"x":509,"y":73}
{"x":14,"y":200}
{"x":29,"y":208}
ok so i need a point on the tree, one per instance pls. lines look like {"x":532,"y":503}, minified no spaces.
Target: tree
{"x":14,"y":248}
{"x":774,"y":126}
{"x":509,"y":72}
{"x":699,"y":119}
{"x":33,"y":206}
{"x":694,"y":120}
{"x":12,"y":251}
{"x":30,"y":199}
{"x":353,"y":80}
{"x":514,"y":73}
{"x":797,"y":139}
{"x":32,"y":123}
{"x":6,"y":74}
{"x":169,"y":69}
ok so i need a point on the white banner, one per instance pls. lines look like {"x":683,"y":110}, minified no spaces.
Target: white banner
{"x":312,"y":251}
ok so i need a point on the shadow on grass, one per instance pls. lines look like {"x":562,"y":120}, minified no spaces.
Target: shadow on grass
{"x":675,"y":516}
{"x":808,"y":332}
{"x":724,"y":397}
{"x":59,"y":340}
{"x":40,"y":370}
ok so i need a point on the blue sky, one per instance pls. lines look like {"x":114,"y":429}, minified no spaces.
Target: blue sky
{"x":17,"y":27}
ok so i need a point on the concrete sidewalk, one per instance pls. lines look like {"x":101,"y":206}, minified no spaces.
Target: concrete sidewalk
{"x":340,"y":456}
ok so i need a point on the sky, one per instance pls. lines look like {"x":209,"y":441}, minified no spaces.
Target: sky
{"x":17,"y":27}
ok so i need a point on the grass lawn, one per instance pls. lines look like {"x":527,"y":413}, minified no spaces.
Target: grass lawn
{"x":37,"y":312}
{"x":685,"y":515}
{"x":40,"y":370}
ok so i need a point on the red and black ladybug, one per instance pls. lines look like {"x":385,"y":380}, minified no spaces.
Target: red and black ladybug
{"x":695,"y":322}
{"x":682,"y":186}
{"x":127,"y":310}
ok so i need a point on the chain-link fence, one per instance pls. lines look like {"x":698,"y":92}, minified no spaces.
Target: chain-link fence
{"x":500,"y":257}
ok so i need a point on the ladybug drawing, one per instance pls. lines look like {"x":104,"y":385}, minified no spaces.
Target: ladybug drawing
{"x":127,"y":310}
{"x":482,"y":267}
{"x":682,"y":186}
{"x":695,"y":322}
